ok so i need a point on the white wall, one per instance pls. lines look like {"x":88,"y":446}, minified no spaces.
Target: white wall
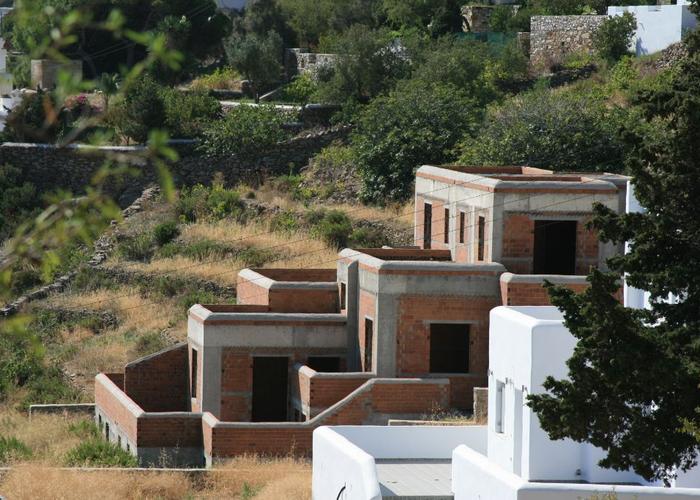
{"x":340,"y":465}
{"x":474,"y":477}
{"x":527,"y":344}
{"x":658,"y":26}
{"x":344,"y":456}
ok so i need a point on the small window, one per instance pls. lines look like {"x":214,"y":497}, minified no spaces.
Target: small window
{"x":447,"y":225}
{"x":343,"y":296}
{"x":324,"y":364}
{"x":462,"y":224}
{"x":369,"y":335}
{"x":500,"y":406}
{"x":119,"y":441}
{"x":193,"y":375}
{"x":107,"y":431}
{"x":482,"y":238}
{"x":99,"y":421}
{"x":449,"y":348}
{"x":427,"y":225}
{"x":128,"y":448}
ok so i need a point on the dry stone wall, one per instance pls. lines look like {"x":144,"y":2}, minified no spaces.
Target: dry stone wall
{"x":553,"y":37}
{"x":49,"y":167}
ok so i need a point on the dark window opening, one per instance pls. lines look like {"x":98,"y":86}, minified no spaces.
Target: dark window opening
{"x":343,"y":296}
{"x":482,"y":238}
{"x":427,"y":225}
{"x":462,"y":224}
{"x":555,"y":247}
{"x":119,"y":441}
{"x":107,"y":431}
{"x":324,"y":364}
{"x":193,"y":375}
{"x":270,"y":389}
{"x":369,"y":335}
{"x":99,"y":421}
{"x":449,"y":348}
{"x":447,"y":225}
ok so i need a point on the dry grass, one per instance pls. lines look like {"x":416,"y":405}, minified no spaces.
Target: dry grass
{"x":135,"y":312}
{"x":221,"y":271}
{"x":263,"y":479}
{"x":47,"y":436}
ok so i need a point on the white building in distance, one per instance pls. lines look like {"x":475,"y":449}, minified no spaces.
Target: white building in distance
{"x":658,"y":26}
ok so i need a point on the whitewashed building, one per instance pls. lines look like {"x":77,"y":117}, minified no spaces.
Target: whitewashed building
{"x":658,"y":26}
{"x":511,"y":458}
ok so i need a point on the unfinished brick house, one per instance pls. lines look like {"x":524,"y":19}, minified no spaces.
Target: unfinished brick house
{"x":389,"y":333}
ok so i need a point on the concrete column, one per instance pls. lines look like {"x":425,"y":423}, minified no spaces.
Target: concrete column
{"x":211,"y":380}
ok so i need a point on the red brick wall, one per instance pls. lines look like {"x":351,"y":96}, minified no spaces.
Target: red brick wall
{"x":394,"y":398}
{"x":169,"y":431}
{"x":530,"y":294}
{"x":304,"y":301}
{"x":160,"y":382}
{"x":519,"y":244}
{"x":106,"y":401}
{"x":367,"y":309}
{"x":416,"y":312}
{"x":438,"y":226}
{"x":237,"y":377}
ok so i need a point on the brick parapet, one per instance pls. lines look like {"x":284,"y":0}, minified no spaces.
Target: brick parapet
{"x":375,"y":399}
{"x":317,"y":391}
{"x":528,"y":289}
{"x":159,"y":382}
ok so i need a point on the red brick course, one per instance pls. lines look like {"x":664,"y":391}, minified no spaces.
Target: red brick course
{"x":159,"y":382}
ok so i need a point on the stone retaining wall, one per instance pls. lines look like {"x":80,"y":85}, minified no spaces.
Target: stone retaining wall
{"x":49,"y":167}
{"x":553,"y":37}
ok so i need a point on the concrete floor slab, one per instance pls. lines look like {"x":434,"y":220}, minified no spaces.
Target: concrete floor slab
{"x":415,"y":479}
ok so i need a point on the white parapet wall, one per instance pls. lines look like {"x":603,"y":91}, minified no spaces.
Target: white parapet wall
{"x":658,"y":26}
{"x":344,"y":456}
{"x":475,"y":477}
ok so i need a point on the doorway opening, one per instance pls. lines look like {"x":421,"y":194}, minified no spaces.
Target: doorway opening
{"x":270,"y":376}
{"x":449,"y":348}
{"x":369,"y":338}
{"x":555,"y":247}
{"x":427,"y":225}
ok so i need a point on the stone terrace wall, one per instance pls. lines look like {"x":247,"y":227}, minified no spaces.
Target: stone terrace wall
{"x":49,"y":167}
{"x":552,"y":37}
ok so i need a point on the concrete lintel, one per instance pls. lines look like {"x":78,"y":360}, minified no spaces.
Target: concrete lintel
{"x":173,"y":414}
{"x":534,"y":279}
{"x":204,"y":315}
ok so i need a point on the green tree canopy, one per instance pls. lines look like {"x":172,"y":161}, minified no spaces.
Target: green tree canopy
{"x":258,"y":58}
{"x":633,"y":378}
{"x":612,"y":39}
{"x":411,"y":125}
{"x":193,"y":27}
{"x":553,"y":129}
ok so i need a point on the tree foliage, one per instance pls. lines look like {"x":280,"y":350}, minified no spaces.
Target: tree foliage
{"x":633,"y":378}
{"x":612,"y":39}
{"x":194,"y":28}
{"x":258,"y":58}
{"x":245,"y":131}
{"x":411,"y":125}
{"x":543,"y":128}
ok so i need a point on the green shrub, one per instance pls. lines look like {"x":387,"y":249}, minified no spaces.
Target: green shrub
{"x":90,"y":279}
{"x":193,"y":297}
{"x":165,"y":232}
{"x":299,"y":90}
{"x":12,"y":450}
{"x":256,"y":257}
{"x":24,"y":280}
{"x":293,"y":184}
{"x":246,"y":131}
{"x":366,"y":237}
{"x":203,"y":202}
{"x":286,"y":221}
{"x":99,"y":453}
{"x":149,"y":343}
{"x":84,"y":429}
{"x":142,"y":108}
{"x":612,"y":39}
{"x":49,"y":387}
{"x":138,"y":247}
{"x":220,"y":79}
{"x":334,"y":228}
{"x":186,"y":114}
{"x":18,"y":199}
